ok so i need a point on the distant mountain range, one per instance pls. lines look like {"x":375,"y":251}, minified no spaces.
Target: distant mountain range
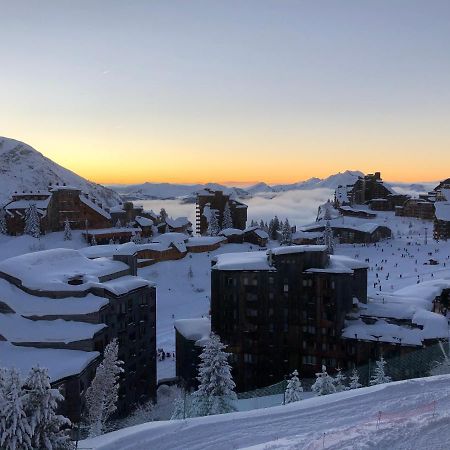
{"x":22,"y":168}
{"x":150,"y":191}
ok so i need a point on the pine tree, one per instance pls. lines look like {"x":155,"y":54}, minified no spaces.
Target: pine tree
{"x":102,"y":395}
{"x":163,"y":215}
{"x":339,"y":381}
{"x":286,"y":233}
{"x":15,"y":429}
{"x":324,"y":383}
{"x":354,"y":380}
{"x":180,"y":409}
{"x":379,"y":376}
{"x":213,"y":224}
{"x":67,"y":230}
{"x":261,"y":224}
{"x":32,"y":221}
{"x":215,"y":393}
{"x":47,"y":427}
{"x":227,"y":220}
{"x":293,"y":389}
{"x":118,"y":224}
{"x":3,"y":226}
{"x":276,"y":227}
{"x":136,"y":238}
{"x":327,"y":235}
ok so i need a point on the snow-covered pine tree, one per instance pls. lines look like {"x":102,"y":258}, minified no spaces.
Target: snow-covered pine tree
{"x":67,"y":230}
{"x":32,"y":221}
{"x":354,"y":380}
{"x":215,"y":393}
{"x":93,"y":240}
{"x":118,"y":224}
{"x":324,"y":384}
{"x":41,"y":404}
{"x":286,"y":233}
{"x":379,"y":375}
{"x":253,"y":223}
{"x":3,"y":227}
{"x":162,"y":215}
{"x":102,"y":395}
{"x":136,"y":238}
{"x":339,"y":381}
{"x":293,"y":389}
{"x":213,"y":224}
{"x":227,"y":220}
{"x":15,"y":429}
{"x":271,"y":229}
{"x":261,"y":224}
{"x":327,"y":235}
{"x":180,"y":409}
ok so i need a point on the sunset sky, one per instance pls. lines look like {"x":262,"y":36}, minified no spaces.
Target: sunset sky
{"x":230,"y":90}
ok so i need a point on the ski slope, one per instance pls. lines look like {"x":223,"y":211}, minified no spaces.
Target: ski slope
{"x":414,"y":415}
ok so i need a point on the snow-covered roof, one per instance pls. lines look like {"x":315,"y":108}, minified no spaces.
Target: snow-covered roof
{"x":51,"y":270}
{"x":98,"y":251}
{"x":24,"y":204}
{"x":442,"y":211}
{"x":178,"y":222}
{"x":16,"y":328}
{"x":412,"y":303}
{"x":231,"y":232}
{"x":365,"y":227}
{"x":258,"y":231}
{"x":242,"y":261}
{"x":291,"y":249}
{"x":128,"y":283}
{"x":197,"y":330}
{"x":143,"y":221}
{"x":204,"y":240}
{"x":63,"y":187}
{"x":178,"y":240}
{"x":112,"y":230}
{"x":60,"y":363}
{"x":94,"y":206}
{"x":306,"y":235}
{"x":31,"y":305}
{"x":340,"y":264}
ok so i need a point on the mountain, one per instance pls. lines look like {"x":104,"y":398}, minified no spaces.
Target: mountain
{"x":164,"y":191}
{"x":22,"y":168}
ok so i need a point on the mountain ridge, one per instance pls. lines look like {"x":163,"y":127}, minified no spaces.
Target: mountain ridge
{"x":23,"y":168}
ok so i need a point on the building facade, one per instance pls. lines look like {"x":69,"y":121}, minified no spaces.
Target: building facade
{"x":63,"y":309}
{"x":208,"y":200}
{"x":284,"y":309}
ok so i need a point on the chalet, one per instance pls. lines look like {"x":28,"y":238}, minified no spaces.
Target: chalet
{"x":254,"y":235}
{"x":64,"y":314}
{"x":233,"y":235}
{"x":353,"y":233}
{"x":54,"y":206}
{"x":109,"y":235}
{"x":306,"y":237}
{"x":416,"y":207}
{"x":355,"y":212}
{"x":178,"y":225}
{"x":217,"y":201}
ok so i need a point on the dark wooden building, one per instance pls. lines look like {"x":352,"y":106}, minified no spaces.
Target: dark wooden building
{"x":415,"y":207}
{"x":208,"y":200}
{"x":284,"y":309}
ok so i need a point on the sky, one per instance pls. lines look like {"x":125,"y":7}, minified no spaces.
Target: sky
{"x":242,"y":90}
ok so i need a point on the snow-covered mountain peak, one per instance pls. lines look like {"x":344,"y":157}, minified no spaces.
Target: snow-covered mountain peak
{"x":22,"y":168}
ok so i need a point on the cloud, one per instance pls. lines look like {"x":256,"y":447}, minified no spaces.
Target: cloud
{"x":300,"y":207}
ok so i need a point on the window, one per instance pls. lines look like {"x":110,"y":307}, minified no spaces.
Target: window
{"x":286,"y":288}
{"x":309,"y":359}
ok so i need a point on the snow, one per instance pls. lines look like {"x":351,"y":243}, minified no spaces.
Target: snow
{"x":24,"y":358}
{"x":178,"y":222}
{"x":16,"y":328}
{"x":231,"y":232}
{"x":30,"y":305}
{"x":345,"y":420}
{"x":50,"y":270}
{"x":442,"y":211}
{"x":95,"y":206}
{"x":24,"y":204}
{"x":204,"y":240}
{"x":197,"y":330}
{"x":128,"y":283}
{"x":143,"y":221}
{"x":242,"y":261}
{"x":292,"y":249}
{"x":113,"y":230}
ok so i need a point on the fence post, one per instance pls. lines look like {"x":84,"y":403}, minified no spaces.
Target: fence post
{"x":323,"y":440}
{"x":378,"y":419}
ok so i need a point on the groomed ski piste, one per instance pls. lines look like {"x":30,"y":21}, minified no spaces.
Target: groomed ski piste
{"x":405,"y":415}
